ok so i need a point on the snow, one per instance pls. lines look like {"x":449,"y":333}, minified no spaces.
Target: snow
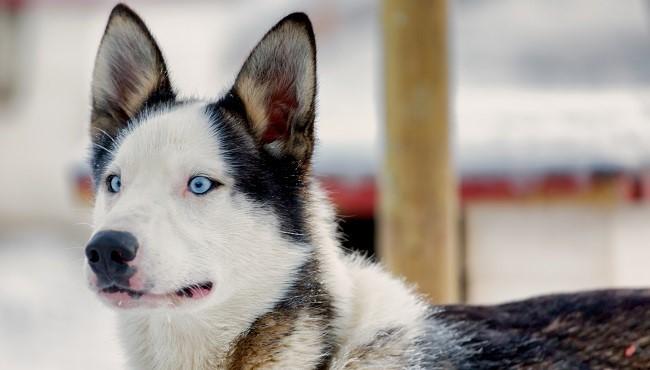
{"x":49,"y":319}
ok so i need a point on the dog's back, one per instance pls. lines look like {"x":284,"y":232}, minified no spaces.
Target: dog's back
{"x":608,"y":329}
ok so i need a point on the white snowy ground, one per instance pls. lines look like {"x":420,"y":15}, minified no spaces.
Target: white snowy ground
{"x":48,"y":317}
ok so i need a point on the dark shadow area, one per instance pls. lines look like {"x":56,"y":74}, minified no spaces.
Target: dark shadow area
{"x":359,"y":235}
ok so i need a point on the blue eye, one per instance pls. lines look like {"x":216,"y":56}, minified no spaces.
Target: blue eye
{"x":114,"y":183}
{"x":200,"y":185}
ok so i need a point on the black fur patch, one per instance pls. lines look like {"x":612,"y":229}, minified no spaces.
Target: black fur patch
{"x":277,"y":183}
{"x":593,"y":330}
{"x":309,"y":294}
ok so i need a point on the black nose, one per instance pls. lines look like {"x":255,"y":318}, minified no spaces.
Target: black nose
{"x":108,"y":253}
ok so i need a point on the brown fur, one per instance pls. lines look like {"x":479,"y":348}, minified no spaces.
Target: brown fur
{"x":263,"y":343}
{"x":304,"y":314}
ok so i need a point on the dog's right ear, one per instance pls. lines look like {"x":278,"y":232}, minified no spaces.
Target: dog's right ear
{"x":277,"y":86}
{"x":129,"y":73}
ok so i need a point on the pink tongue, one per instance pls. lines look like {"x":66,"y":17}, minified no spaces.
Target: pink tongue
{"x":199,"y":292}
{"x":195,"y":291}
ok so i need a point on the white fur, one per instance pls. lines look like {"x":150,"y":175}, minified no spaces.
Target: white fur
{"x":225,"y":238}
{"x":184,"y":238}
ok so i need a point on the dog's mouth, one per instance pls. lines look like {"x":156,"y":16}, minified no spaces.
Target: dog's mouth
{"x":124,"y":297}
{"x":196,"y":290}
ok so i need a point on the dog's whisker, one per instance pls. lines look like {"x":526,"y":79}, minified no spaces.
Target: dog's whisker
{"x":106,"y":133}
{"x":104,"y":148}
{"x":291,"y":233}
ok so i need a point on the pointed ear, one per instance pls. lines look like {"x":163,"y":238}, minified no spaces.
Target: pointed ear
{"x":129,"y":73}
{"x":277,"y":86}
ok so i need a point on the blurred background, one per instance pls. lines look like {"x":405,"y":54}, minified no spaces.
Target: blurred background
{"x":550,"y":135}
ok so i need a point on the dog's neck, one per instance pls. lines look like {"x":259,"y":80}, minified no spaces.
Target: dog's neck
{"x":241,"y":334}
{"x":303,"y":316}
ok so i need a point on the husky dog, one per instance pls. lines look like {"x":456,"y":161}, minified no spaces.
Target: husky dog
{"x":219,"y":250}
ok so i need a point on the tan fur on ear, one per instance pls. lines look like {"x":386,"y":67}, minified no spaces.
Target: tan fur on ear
{"x":125,"y":49}
{"x":129,"y":68}
{"x":254,"y":95}
{"x":277,"y":85}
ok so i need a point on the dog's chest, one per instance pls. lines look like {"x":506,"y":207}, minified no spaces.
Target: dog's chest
{"x":167,"y":344}
{"x":273,"y":342}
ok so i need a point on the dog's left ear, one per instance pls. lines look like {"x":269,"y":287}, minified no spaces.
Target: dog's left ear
{"x":277,"y":86}
{"x":129,"y":73}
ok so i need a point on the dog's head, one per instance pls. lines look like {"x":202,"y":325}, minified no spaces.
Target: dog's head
{"x":199,"y":202}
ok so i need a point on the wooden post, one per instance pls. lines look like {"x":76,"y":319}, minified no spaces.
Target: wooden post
{"x":418,"y":194}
